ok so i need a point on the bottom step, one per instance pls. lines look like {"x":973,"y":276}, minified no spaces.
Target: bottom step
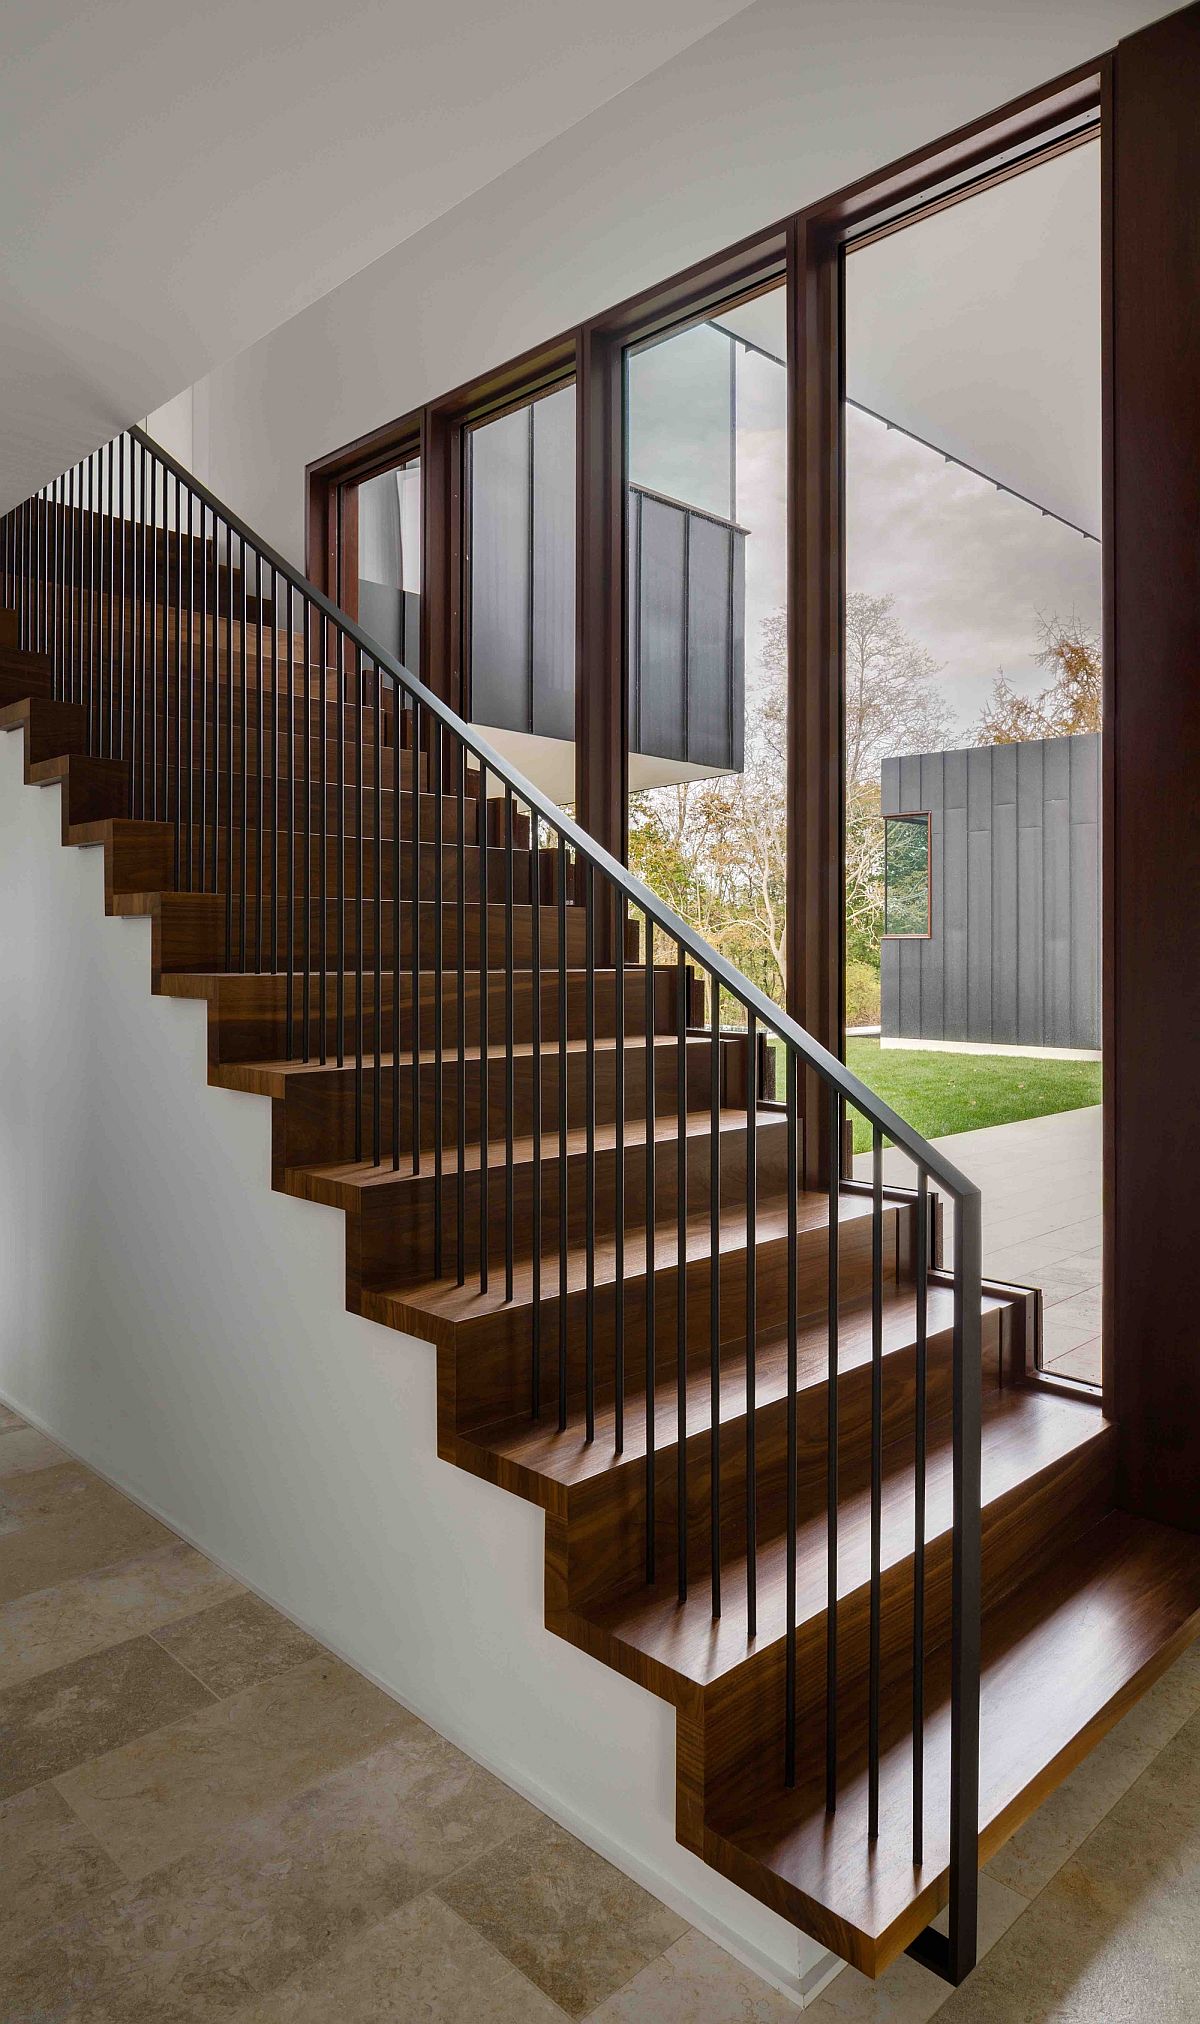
{"x":1063,"y":1658}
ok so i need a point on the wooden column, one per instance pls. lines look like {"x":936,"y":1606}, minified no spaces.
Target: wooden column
{"x":601,"y":766}
{"x":1152,"y":957}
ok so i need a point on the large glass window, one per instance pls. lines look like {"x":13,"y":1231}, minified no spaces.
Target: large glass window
{"x":520,"y":470}
{"x":706,"y":417}
{"x":389,"y":560}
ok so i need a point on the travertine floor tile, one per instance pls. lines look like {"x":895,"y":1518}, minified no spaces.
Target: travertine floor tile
{"x":9,"y":1419}
{"x":575,"y":1925}
{"x":248,"y":1909}
{"x":422,"y":1963}
{"x":1113,"y":1937}
{"x":70,"y":1523}
{"x":63,"y":1717}
{"x":236,"y":1644}
{"x":24,"y":1448}
{"x":152,"y":1800}
{"x":907,"y":1993}
{"x":54,"y":1625}
{"x":49,"y":1862}
{"x":696,"y":1982}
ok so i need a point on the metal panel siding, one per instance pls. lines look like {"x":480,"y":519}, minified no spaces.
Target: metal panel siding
{"x":1085,"y":890}
{"x":660,"y":723}
{"x":933,"y":1008}
{"x":979,"y":893}
{"x":954,"y":906}
{"x":709,"y":640}
{"x":1056,"y":886}
{"x":1004,"y":893}
{"x":552,"y":681}
{"x":500,"y":572}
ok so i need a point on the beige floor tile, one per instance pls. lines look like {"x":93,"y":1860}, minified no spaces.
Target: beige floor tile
{"x":24,"y":1448}
{"x":151,"y":1801}
{"x":1113,"y":1937}
{"x":95,"y":1704}
{"x":1064,"y":1820}
{"x":907,"y":1993}
{"x":696,"y":1982}
{"x":423,"y":1963}
{"x":1087,"y":1361}
{"x":245,"y":1911}
{"x":237,"y":1643}
{"x":54,"y":1625}
{"x":49,"y":1862}
{"x":70,"y":1523}
{"x":9,"y":1419}
{"x":575,"y":1925}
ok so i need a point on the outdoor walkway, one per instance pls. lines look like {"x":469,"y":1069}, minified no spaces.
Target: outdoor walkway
{"x":1041,"y":1186}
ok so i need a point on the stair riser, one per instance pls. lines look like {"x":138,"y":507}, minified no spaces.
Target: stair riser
{"x":492,"y":1357}
{"x":743,"y":1735}
{"x":616,"y":1505}
{"x":275,"y":767}
{"x":318,"y":1114}
{"x":248,"y":1017}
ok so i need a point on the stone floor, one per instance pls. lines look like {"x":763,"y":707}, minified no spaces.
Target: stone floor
{"x":204,"y":1814}
{"x":1041,"y":1182}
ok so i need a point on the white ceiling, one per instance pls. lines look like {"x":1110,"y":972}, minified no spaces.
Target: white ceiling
{"x":176,"y":180}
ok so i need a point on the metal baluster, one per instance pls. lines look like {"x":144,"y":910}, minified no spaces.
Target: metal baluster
{"x":460,"y":929}
{"x":714,"y":1290}
{"x":121,"y":527}
{"x":323,"y":841}
{"x":261,"y":740}
{"x":619,"y":1195}
{"x":832,"y":1435}
{"x":965,"y":1591}
{"x":681,"y":1203}
{"x":918,"y":1679}
{"x":397,"y":803}
{"x":562,"y":1132}
{"x":439,"y":1009}
{"x":307,"y":648}
{"x":179,"y":709}
{"x":751,"y":1326}
{"x":589,"y":1177}
{"x":109,"y":664}
{"x":509,"y":1058}
{"x":535,"y":1019}
{"x":651,"y":1344}
{"x":339,"y":692}
{"x":876,"y":1479}
{"x":293,"y":741}
{"x":90,"y":578}
{"x":792,"y":1445}
{"x":191,"y":684}
{"x":360,"y":917}
{"x":414,"y":849}
{"x":484,"y":1044}
{"x":204,"y":704}
{"x":276,"y":812}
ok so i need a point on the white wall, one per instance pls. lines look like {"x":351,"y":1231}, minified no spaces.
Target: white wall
{"x":779,"y":106}
{"x":180,"y":1326}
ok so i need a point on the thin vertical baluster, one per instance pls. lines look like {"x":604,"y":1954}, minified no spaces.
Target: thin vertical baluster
{"x":535,"y":1018}
{"x":191,"y":684}
{"x":149,"y":622}
{"x":293,"y":741}
{"x":180,"y":728}
{"x":307,"y":649}
{"x":509,"y":1054}
{"x":360,"y":912}
{"x":244,"y":690}
{"x":918,"y":1679}
{"x":651,"y":1344}
{"x":275,"y":810}
{"x":339,"y":691}
{"x":681,"y":1206}
{"x":323,"y":839}
{"x":460,"y":929}
{"x":90,"y":578}
{"x":832,"y":1437}
{"x":78,"y":646}
{"x":751,"y":1326}
{"x":262,"y":785}
{"x":397,"y":803}
{"x":589,"y":1170}
{"x":876,"y":1479}
{"x":484,"y":1044}
{"x":965,"y":1580}
{"x":562,"y":1132}
{"x":110,"y":669}
{"x":204,"y":740}
{"x":619,"y":1192}
{"x":414,"y":859}
{"x":439,"y":1003}
{"x":121,"y":528}
{"x":714,"y":1289}
{"x":793,"y":1182}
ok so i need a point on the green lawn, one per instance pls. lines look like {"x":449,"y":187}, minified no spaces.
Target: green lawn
{"x":943,"y":1093}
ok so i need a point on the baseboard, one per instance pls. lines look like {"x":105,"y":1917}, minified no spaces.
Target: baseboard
{"x":800,"y":1989}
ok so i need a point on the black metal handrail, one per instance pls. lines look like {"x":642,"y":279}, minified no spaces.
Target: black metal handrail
{"x":135,"y":581}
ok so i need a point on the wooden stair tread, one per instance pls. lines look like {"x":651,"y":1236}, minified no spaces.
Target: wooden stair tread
{"x":270,"y":1078}
{"x":1024,"y":1433}
{"x":1064,"y":1656}
{"x":568,"y":1457}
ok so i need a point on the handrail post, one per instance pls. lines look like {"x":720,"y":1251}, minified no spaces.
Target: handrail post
{"x":967,"y":1589}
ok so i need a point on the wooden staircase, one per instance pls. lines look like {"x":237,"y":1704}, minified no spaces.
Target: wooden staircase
{"x":1082,"y":1605}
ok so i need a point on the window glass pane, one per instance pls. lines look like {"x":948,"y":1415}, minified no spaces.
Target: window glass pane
{"x":906,"y":875}
{"x":706,"y":420}
{"x":389,"y":561}
{"x":521,"y":557}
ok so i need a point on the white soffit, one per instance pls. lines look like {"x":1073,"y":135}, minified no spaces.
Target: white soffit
{"x":978,"y":329}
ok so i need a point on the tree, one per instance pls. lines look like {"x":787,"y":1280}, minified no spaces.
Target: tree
{"x":891,"y":706}
{"x":1069,"y":705}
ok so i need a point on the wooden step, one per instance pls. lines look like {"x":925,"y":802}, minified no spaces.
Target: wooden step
{"x":1065,"y":1653}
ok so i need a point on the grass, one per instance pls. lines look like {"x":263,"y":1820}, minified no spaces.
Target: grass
{"x":943,"y":1093}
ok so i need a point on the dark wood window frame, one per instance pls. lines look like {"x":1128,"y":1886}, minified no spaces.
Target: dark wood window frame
{"x":924,"y":934}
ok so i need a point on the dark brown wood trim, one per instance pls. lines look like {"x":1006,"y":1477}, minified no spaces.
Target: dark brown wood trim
{"x":601,"y":710}
{"x":1109,"y":943}
{"x":442,"y":557}
{"x":1153,"y":1001}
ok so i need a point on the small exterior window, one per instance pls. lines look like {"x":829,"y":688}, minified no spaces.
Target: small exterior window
{"x":907,"y":908}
